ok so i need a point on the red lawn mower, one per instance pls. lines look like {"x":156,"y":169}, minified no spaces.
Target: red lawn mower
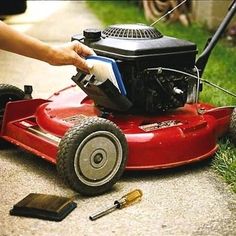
{"x":149,"y":118}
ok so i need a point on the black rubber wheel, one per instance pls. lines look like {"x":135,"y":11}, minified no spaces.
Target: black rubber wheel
{"x":8,"y":93}
{"x":232,"y":127}
{"x":92,"y":156}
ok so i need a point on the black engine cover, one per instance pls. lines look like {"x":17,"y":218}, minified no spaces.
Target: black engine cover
{"x":140,"y":43}
{"x":136,"y":48}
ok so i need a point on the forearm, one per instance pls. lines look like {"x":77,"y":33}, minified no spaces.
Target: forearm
{"x":22,"y":44}
{"x":72,"y":53}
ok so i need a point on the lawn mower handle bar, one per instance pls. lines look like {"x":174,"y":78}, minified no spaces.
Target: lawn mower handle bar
{"x":203,"y":58}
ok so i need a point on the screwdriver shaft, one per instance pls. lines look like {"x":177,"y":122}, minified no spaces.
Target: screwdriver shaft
{"x":103,"y":213}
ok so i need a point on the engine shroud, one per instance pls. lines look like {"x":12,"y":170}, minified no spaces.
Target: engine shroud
{"x":139,"y":51}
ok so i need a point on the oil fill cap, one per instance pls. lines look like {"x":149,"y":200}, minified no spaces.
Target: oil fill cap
{"x":92,"y":34}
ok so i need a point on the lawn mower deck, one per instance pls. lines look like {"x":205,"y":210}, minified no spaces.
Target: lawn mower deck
{"x":175,"y":138}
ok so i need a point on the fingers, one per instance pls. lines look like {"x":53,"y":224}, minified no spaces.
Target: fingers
{"x":82,"y":49}
{"x":81,"y":64}
{"x":72,"y":53}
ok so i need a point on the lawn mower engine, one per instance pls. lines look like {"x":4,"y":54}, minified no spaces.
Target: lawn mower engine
{"x":142,"y":54}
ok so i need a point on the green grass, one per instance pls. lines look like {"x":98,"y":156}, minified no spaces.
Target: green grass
{"x":225,"y":162}
{"x":221,"y":68}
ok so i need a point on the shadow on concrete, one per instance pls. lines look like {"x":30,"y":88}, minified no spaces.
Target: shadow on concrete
{"x":170,"y":172}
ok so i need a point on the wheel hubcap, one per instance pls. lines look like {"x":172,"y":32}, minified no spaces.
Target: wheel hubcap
{"x":98,"y":158}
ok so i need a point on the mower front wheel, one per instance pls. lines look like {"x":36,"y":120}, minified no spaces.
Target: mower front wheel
{"x":92,"y":156}
{"x":232,"y":127}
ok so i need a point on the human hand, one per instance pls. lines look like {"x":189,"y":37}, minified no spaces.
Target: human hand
{"x":72,"y":53}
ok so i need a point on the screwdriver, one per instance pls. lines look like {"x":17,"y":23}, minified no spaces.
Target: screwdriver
{"x":125,"y":201}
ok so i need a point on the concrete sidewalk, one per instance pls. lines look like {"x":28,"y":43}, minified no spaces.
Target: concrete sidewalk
{"x":191,"y":200}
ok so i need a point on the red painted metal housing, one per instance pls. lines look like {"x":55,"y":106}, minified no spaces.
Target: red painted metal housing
{"x":159,"y":141}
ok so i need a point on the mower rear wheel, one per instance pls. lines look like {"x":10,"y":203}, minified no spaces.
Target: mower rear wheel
{"x":8,"y":93}
{"x":92,"y":156}
{"x":232,"y":127}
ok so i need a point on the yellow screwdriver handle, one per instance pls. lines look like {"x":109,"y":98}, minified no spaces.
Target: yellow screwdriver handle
{"x":129,"y":198}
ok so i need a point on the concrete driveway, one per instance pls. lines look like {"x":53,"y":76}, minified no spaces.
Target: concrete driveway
{"x":191,"y":200}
